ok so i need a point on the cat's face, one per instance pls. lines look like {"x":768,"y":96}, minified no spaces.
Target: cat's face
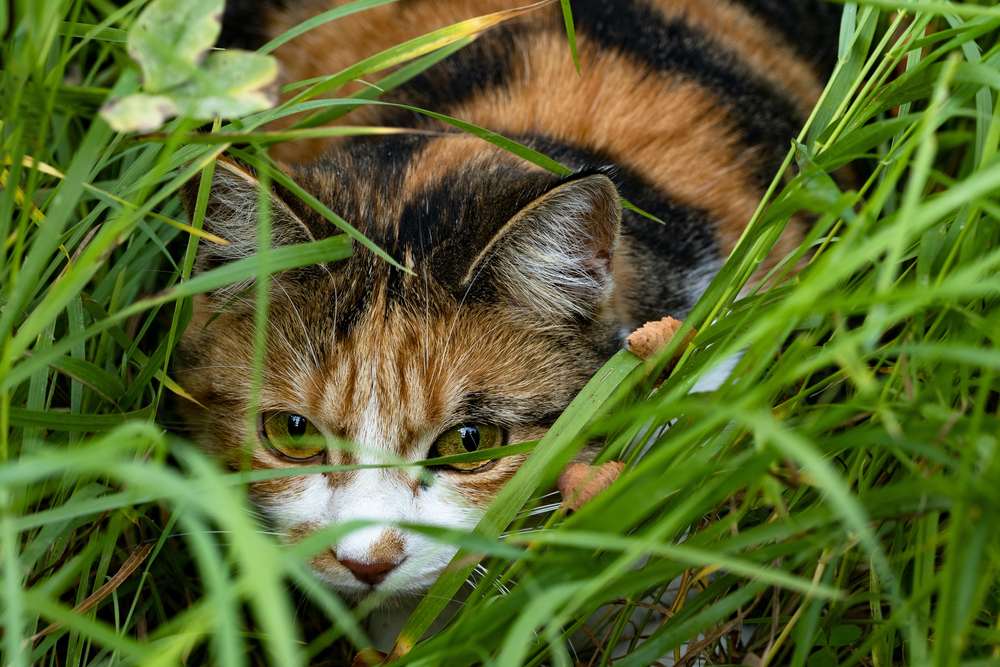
{"x":505,"y":315}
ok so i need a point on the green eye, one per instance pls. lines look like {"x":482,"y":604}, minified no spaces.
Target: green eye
{"x":467,"y":438}
{"x":292,"y":436}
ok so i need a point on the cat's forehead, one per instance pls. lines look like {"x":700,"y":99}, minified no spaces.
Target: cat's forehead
{"x":409,"y":370}
{"x":432,"y":204}
{"x":412,"y":193}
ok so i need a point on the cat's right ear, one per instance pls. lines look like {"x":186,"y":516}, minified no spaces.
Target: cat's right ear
{"x":232,"y":214}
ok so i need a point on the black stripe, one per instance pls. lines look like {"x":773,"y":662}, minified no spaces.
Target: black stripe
{"x":361,"y":176}
{"x":764,"y":113}
{"x":477,"y":68}
{"x":812,"y":27}
{"x":359,"y":180}
{"x":448,"y":224}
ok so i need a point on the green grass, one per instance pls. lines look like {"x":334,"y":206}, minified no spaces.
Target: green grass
{"x":840,"y":494}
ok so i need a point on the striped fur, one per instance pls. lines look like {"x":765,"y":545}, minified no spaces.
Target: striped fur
{"x":522,"y":282}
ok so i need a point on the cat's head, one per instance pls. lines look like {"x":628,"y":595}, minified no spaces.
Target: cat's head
{"x":508,"y":307}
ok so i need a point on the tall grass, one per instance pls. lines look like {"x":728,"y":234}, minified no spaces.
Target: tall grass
{"x":839,"y":496}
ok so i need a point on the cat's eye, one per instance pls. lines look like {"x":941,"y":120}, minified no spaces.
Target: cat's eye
{"x":292,"y":436}
{"x":466,"y":438}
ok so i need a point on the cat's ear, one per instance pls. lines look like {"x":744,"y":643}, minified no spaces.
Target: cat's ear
{"x":232,"y":214}
{"x":554,"y":256}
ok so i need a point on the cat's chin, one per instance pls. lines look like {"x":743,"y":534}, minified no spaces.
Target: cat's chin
{"x":375,"y":598}
{"x":388,"y":596}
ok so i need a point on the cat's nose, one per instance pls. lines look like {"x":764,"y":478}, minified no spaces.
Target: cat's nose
{"x":371,"y":573}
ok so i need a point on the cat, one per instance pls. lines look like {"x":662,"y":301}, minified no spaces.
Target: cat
{"x":522,"y":283}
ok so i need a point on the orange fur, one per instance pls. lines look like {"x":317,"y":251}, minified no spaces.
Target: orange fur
{"x":755,"y":43}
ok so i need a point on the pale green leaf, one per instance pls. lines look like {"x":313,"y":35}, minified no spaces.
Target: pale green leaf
{"x":232,"y":83}
{"x":170,"y":34}
{"x":138,"y":113}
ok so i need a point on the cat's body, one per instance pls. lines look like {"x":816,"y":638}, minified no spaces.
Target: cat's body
{"x":522,"y":282}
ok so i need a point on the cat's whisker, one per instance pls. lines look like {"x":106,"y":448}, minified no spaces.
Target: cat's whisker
{"x":522,"y":531}
{"x":258,"y":516}
{"x":541,"y":509}
{"x":277,"y":334}
{"x":427,"y":334}
{"x":210,"y":367}
{"x":483,"y":572}
{"x":336,"y":310}
{"x":455,"y":318}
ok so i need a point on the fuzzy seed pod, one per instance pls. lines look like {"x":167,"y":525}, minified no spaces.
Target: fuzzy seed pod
{"x":579,"y":483}
{"x":651,"y":337}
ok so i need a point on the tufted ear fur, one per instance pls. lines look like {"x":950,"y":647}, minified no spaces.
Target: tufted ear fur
{"x":554,"y":256}
{"x":232,"y":214}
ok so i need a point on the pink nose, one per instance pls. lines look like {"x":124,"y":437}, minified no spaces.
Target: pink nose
{"x":370,"y":573}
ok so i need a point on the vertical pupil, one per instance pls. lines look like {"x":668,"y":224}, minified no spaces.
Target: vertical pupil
{"x":296,"y":425}
{"x":470,"y":437}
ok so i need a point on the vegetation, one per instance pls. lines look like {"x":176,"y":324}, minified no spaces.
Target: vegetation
{"x":839,"y":495}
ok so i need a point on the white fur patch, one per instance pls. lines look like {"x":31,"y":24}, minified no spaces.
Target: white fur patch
{"x":701,"y":276}
{"x":382,"y":496}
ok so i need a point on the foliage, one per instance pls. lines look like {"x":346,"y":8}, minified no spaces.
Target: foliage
{"x":169,"y":40}
{"x":838,"y":495}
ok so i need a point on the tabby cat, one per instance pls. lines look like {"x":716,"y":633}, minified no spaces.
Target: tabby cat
{"x":522,"y":282}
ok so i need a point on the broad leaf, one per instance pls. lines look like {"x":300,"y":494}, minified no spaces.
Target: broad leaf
{"x":139,"y":112}
{"x":232,"y":83}
{"x":170,"y":37}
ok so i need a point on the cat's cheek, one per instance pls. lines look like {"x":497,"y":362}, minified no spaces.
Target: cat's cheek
{"x":294,"y":501}
{"x":478,"y":489}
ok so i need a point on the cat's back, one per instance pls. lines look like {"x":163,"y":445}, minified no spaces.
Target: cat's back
{"x":700,"y":98}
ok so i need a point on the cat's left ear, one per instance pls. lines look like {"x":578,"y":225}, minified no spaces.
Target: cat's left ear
{"x":554,"y":256}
